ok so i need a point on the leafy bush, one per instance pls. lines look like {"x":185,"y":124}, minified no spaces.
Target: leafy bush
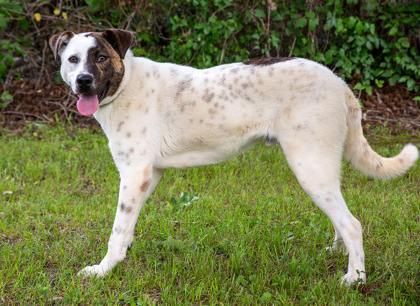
{"x":374,"y":40}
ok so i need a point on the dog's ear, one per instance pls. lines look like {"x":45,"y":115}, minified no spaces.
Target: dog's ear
{"x":120,"y":40}
{"x":59,"y":41}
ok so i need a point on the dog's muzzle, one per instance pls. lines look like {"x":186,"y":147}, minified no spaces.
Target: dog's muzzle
{"x":84,"y":82}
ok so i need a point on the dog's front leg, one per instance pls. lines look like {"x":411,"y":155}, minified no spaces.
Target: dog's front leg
{"x":135,"y":188}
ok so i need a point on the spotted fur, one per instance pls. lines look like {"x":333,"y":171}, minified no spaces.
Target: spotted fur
{"x":160,"y":115}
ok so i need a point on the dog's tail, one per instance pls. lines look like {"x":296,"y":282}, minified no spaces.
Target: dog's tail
{"x":361,"y":155}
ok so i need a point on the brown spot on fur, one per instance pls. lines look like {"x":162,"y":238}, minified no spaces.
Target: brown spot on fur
{"x":268,"y":61}
{"x":119,"y":126}
{"x":143,"y":187}
{"x":329,"y":199}
{"x":143,"y":131}
{"x":128,"y":134}
{"x":122,"y":206}
{"x":212,"y":111}
{"x":183,"y":85}
{"x":208,"y":96}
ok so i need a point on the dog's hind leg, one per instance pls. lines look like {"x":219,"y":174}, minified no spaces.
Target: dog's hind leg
{"x":338,"y":243}
{"x":135,"y":188}
{"x":316,"y":165}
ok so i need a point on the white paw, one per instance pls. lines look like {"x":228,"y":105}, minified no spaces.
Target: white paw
{"x":337,"y":247}
{"x":91,"y":271}
{"x":353,"y":278}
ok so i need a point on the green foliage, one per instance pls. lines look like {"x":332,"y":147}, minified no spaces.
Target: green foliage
{"x":9,"y":50}
{"x":376,"y":40}
{"x":5,"y":98}
{"x":185,"y":200}
{"x":375,"y":46}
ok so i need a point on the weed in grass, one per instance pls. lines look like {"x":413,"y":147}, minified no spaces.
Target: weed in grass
{"x":252,"y":237}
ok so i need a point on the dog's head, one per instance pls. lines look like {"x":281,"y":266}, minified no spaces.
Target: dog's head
{"x":92,"y":64}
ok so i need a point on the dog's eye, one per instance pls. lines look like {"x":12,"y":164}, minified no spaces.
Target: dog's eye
{"x":101,"y":59}
{"x":73,"y":59}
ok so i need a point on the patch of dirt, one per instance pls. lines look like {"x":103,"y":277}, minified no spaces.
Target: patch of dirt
{"x":37,"y":101}
{"x":46,"y":102}
{"x":393,"y":105}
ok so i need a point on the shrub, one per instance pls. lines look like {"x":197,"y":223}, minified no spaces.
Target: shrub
{"x":376,"y":40}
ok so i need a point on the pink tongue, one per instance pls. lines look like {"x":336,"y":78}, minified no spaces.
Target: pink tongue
{"x":87,"y":105}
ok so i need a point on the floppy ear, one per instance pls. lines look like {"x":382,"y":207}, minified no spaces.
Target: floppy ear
{"x":59,"y":41}
{"x":120,"y":40}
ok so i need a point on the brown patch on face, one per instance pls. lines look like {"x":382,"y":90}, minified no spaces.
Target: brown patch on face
{"x":268,"y":61}
{"x":107,"y":73}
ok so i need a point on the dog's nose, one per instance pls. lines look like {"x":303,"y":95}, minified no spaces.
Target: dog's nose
{"x":84,"y":81}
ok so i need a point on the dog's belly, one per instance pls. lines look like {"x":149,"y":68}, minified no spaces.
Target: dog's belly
{"x":203,"y":154}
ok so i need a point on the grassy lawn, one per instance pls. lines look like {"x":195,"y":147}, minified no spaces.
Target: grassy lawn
{"x":252,"y":237}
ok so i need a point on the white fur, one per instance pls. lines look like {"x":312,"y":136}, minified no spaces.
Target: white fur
{"x":170,"y":116}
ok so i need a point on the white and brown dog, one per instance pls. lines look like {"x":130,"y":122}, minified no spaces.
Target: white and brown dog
{"x":159,"y":115}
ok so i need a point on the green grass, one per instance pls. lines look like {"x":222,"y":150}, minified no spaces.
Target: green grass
{"x":252,"y":237}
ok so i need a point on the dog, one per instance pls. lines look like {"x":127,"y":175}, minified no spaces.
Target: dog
{"x":161,"y":115}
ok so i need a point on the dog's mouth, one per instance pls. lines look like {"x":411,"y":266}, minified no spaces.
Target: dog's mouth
{"x":88,"y":104}
{"x":102,"y":95}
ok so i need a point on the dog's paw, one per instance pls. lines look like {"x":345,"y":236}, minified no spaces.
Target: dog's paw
{"x":350,"y":279}
{"x":337,"y":247}
{"x":91,"y":271}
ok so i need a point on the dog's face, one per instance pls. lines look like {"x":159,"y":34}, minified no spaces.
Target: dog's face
{"x":92,"y":64}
